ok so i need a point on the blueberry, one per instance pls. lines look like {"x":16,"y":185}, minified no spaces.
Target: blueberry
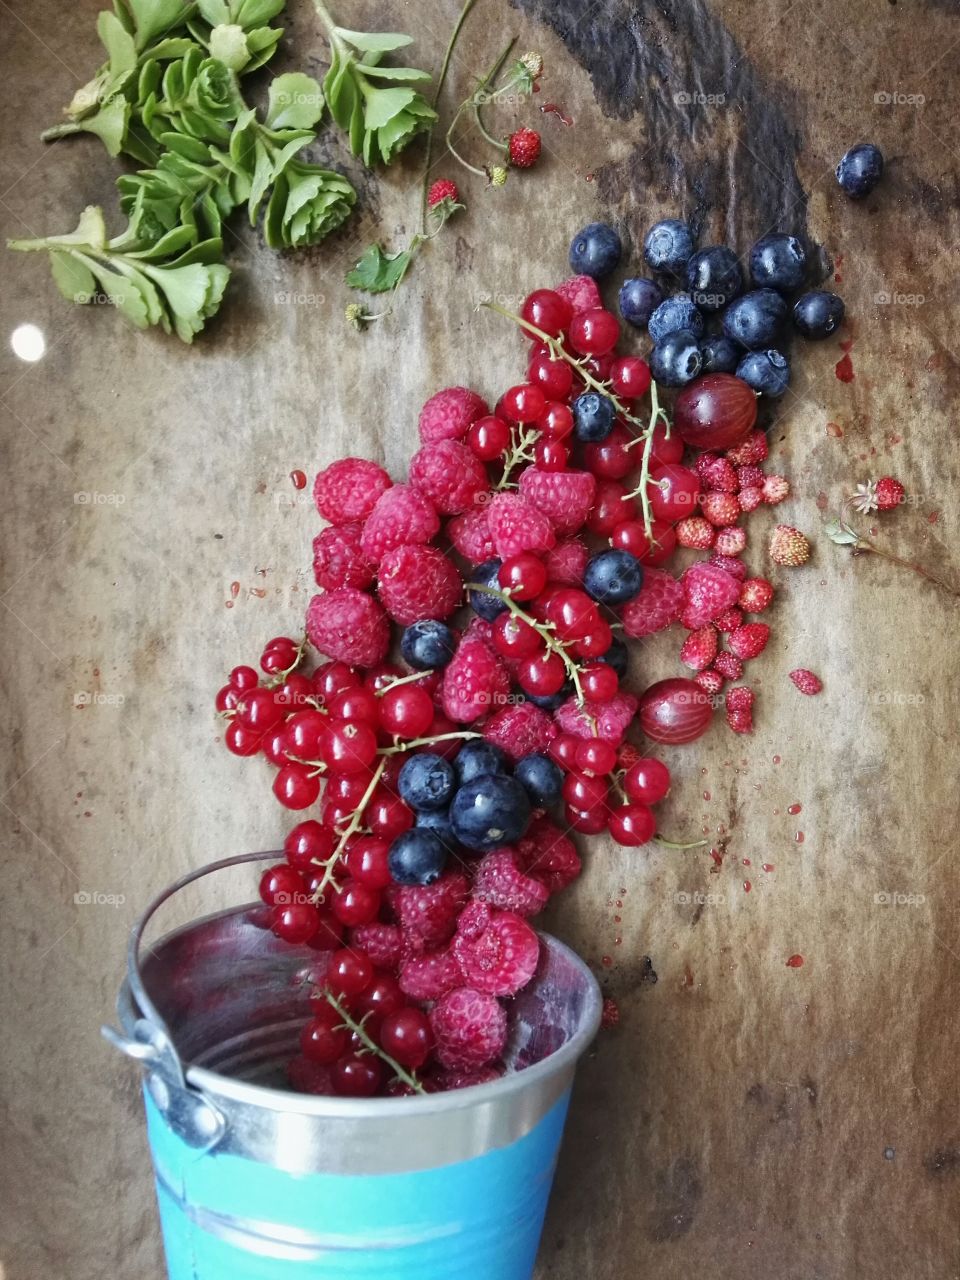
{"x":639,"y":298}
{"x":487,"y":607}
{"x":616,"y":656}
{"x":778,"y":261}
{"x":668,"y":246}
{"x":426,"y":781}
{"x":476,"y":757}
{"x":612,"y":577}
{"x":765,"y":371}
{"x":550,"y":701}
{"x":676,"y":359}
{"x":755,"y":319}
{"x":438,"y":821}
{"x":818,"y":314}
{"x":417,"y":856}
{"x":595,"y":251}
{"x":679,"y":312}
{"x":860,"y":170}
{"x":593,"y":417}
{"x":714,"y":277}
{"x":427,"y":645}
{"x":720,"y":355}
{"x":541,"y":777}
{"x":490,"y":811}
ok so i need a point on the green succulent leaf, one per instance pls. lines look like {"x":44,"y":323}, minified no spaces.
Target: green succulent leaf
{"x":118,"y":42}
{"x":295,"y":102}
{"x":379,"y":272}
{"x":74,"y":280}
{"x":228,"y":44}
{"x":367,"y":42}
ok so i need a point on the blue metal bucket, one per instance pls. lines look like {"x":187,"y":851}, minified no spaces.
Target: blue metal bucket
{"x":257,"y":1183}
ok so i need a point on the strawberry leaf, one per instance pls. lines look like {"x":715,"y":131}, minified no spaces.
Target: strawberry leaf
{"x":379,"y":272}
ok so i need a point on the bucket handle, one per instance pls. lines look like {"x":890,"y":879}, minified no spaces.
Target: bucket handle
{"x":188,"y":1111}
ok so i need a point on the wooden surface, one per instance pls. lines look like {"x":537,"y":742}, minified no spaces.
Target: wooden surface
{"x":747,"y":1120}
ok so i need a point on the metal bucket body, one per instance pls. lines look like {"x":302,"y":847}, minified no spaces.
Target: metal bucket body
{"x":258,"y":1183}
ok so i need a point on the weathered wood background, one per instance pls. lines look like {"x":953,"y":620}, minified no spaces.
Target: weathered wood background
{"x":747,"y":1119}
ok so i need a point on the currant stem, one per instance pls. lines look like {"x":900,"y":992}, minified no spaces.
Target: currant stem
{"x":395,"y":684}
{"x":352,"y":827}
{"x":281,"y":676}
{"x":371,"y":1046}
{"x":519,"y":453}
{"x":399,"y":747}
{"x":543,"y":629}
{"x":674,"y":844}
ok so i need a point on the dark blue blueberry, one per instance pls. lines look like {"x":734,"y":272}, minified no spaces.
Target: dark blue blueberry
{"x":541,"y":777}
{"x":427,"y":781}
{"x":550,"y":701}
{"x":595,"y":251}
{"x":487,"y":607}
{"x":720,"y":355}
{"x":778,"y":261}
{"x":593,"y":417}
{"x":676,"y":360}
{"x":418,"y":856}
{"x":639,"y":298}
{"x":766,"y":371}
{"x":438,"y":821}
{"x":427,"y":645}
{"x":668,"y":246}
{"x":613,"y":577}
{"x":490,"y":811}
{"x":477,"y":757}
{"x":679,"y":312}
{"x":755,"y":319}
{"x":616,"y":656}
{"x":860,"y":170}
{"x":818,"y":314}
{"x":714,"y":277}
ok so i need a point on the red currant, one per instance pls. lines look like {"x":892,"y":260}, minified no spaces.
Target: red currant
{"x":489,"y":438}
{"x":387,"y":815}
{"x":355,"y":904}
{"x":407,"y":1037}
{"x":356,"y":1076}
{"x":304,"y":732}
{"x":295,"y":922}
{"x":381,"y":998}
{"x":596,"y":642}
{"x":556,"y":422}
{"x":594,"y":333}
{"x":356,"y":704}
{"x":632,"y":536}
{"x":278,"y":655}
{"x":547,"y":311}
{"x":381,"y":678}
{"x":523,"y":403}
{"x":674,"y":491}
{"x":514,"y":638}
{"x":349,"y":972}
{"x":599,"y":681}
{"x":307,"y":843}
{"x":324,"y":1039}
{"x":563,"y":749}
{"x":553,"y":377}
{"x":273,"y":744}
{"x":244,"y":678}
{"x":406,"y":711}
{"x":523,"y":575}
{"x":332,"y":677}
{"x":632,"y":824}
{"x":587,"y":822}
{"x":551,"y":455}
{"x":611,"y":459}
{"x":349,"y":747}
{"x":584,"y":792}
{"x":241,"y":740}
{"x":367,"y":862}
{"x":665,"y":448}
{"x":542,"y":675}
{"x":595,"y":757}
{"x":227,"y":698}
{"x":257,"y":709}
{"x":647,"y":780}
{"x":280,"y":884}
{"x":630,"y":377}
{"x":347,"y":788}
{"x":296,"y":693}
{"x":611,"y":506}
{"x":572,"y":611}
{"x":295,"y":787}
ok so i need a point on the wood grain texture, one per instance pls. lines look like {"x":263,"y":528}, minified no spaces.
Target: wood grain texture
{"x":747,"y":1120}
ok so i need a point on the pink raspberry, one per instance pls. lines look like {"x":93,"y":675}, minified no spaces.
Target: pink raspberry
{"x":658,"y":604}
{"x":348,"y":490}
{"x":430,"y":976}
{"x":401,"y":517}
{"x":581,"y":292}
{"x":450,"y":475}
{"x":418,"y":582}
{"x":447,"y":1081}
{"x":517,"y":730}
{"x":499,"y":881}
{"x":566,"y":562}
{"x":475,"y":681}
{"x":448,"y":414}
{"x":607,"y":720}
{"x":381,"y":942}
{"x":729,"y":564}
{"x":470,"y":1029}
{"x":707,"y":592}
{"x":564,"y":497}
{"x":429,"y":912}
{"x":503,"y":958}
{"x":547,"y":853}
{"x":350,"y":626}
{"x":517,"y":525}
{"x":338,"y":559}
{"x":470,"y":534}
{"x":474,"y":918}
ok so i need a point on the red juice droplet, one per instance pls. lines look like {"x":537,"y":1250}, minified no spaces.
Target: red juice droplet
{"x":234,"y":589}
{"x":794,"y":808}
{"x":706,"y":795}
{"x":747,"y":886}
{"x":933,"y":517}
{"x":299,"y":479}
{"x":844,"y":369}
{"x":590,"y":177}
{"x":777,"y":759}
{"x":552,"y":109}
{"x":795,"y":962}
{"x":747,"y":862}
{"x":799,"y":837}
{"x":768,"y":866}
{"x":607,"y":961}
{"x":834,"y":429}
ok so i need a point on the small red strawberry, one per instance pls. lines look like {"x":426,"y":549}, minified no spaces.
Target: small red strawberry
{"x":755,"y":595}
{"x":731,"y":540}
{"x":728,"y":665}
{"x":699,"y":649}
{"x":890,"y":493}
{"x":806,"y":681}
{"x":750,"y":451}
{"x":729,"y":621}
{"x":788,"y":546}
{"x":729,"y":564}
{"x":739,"y":707}
{"x":716,"y":474}
{"x":524,"y":148}
{"x":695,"y":532}
{"x":720,"y":508}
{"x":749,"y":640}
{"x":710,"y":682}
{"x":443,"y":189}
{"x":775,"y":489}
{"x":750,"y":477}
{"x":750,"y":498}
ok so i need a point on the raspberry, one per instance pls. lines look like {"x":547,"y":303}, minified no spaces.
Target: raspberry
{"x":547,"y":853}
{"x":305,"y":1076}
{"x":448,"y":1080}
{"x":889,"y":494}
{"x":750,"y":498}
{"x":720,"y":508}
{"x":430,"y":976}
{"x":806,"y":681}
{"x":470,"y":534}
{"x":788,"y":546}
{"x":418,"y":582}
{"x":699,"y":649}
{"x":381,"y":942}
{"x":475,"y":681}
{"x":348,"y":489}
{"x":338,"y":559}
{"x":566,"y":563}
{"x":658,"y":604}
{"x":775,"y":489}
{"x":581,"y":292}
{"x":728,"y":665}
{"x":607,"y":720}
{"x":750,"y":477}
{"x":350,"y":626}
{"x":564,"y":497}
{"x":470,"y":1028}
{"x":448,"y":414}
{"x":707,"y":592}
{"x":730,"y":540}
{"x":750,"y":451}
{"x":749,"y":640}
{"x":710,"y":682}
{"x":739,"y":706}
{"x":429,"y":912}
{"x":729,"y":620}
{"x":716,"y":474}
{"x":500,"y":882}
{"x":443,"y":189}
{"x":517,"y":525}
{"x":755,"y":595}
{"x":736,"y":568}
{"x":401,"y":517}
{"x":524,"y":147}
{"x":695,"y":532}
{"x":503,"y":958}
{"x":473,"y":919}
{"x":518,"y":730}
{"x":450,"y":475}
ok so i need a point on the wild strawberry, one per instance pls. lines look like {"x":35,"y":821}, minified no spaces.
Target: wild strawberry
{"x":581,"y":292}
{"x":775,"y":489}
{"x":499,"y":881}
{"x":788,"y":546}
{"x":564,"y":497}
{"x":658,"y":604}
{"x":516,"y":525}
{"x":750,"y":477}
{"x":348,"y":489}
{"x":717,"y":474}
{"x":749,"y":640}
{"x":547,"y":853}
{"x":720,"y":508}
{"x":449,"y":414}
{"x":750,"y":498}
{"x":566,"y":562}
{"x":503,"y":958}
{"x":710,"y":682}
{"x":524,"y":148}
{"x":520,"y":729}
{"x":338,"y":559}
{"x":609,"y":1015}
{"x":806,"y":681}
{"x":418,"y":582}
{"x":400,"y":518}
{"x":731,"y":540}
{"x":755,"y":595}
{"x":728,"y":621}
{"x":607,"y":720}
{"x":475,"y":681}
{"x":890,"y":493}
{"x":708,"y":591}
{"x":739,"y":708}
{"x":728,"y":665}
{"x":695,"y":532}
{"x":699,"y":649}
{"x":749,"y":451}
{"x":350,"y":626}
{"x":729,"y":564}
{"x":470,"y":1028}
{"x":430,"y":976}
{"x":470,"y":534}
{"x":443,"y":189}
{"x":450,"y":475}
